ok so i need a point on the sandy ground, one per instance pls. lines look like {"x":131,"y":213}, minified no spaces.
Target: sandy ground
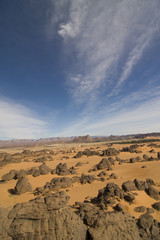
{"x":78,"y":193}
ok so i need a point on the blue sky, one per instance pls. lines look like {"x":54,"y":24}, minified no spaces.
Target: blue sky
{"x":75,"y":67}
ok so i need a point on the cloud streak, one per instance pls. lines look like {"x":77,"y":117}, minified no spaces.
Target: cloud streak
{"x":18,"y":121}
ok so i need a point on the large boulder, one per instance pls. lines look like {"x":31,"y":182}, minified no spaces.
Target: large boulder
{"x":152,"y":192}
{"x":22,"y":186}
{"x":44,"y":169}
{"x":48,"y":218}
{"x":9,"y":176}
{"x":129,"y":186}
{"x":104,"y":164}
{"x":140,"y":185}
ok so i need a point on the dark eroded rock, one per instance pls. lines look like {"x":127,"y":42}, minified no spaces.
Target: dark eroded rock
{"x":156,"y":206}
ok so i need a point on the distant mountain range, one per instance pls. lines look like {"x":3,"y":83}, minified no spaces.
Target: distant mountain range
{"x":77,"y":139}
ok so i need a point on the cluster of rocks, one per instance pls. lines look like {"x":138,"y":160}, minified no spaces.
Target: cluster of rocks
{"x":65,"y":182}
{"x":147,"y":186}
{"x":153,"y":145}
{"x":147,"y":158}
{"x":86,"y":152}
{"x":110,"y":152}
{"x":113,"y":191}
{"x":51,"y":218}
{"x":6,"y":158}
{"x":54,"y":185}
{"x":131,"y":149}
{"x":37,"y":156}
{"x":34,"y":171}
{"x":62,"y":169}
{"x":108,"y":225}
{"x":41,"y":170}
{"x":117,"y":224}
{"x":86,"y":179}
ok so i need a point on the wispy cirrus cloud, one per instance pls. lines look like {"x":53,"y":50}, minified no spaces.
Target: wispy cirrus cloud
{"x":19,"y":121}
{"x":106,"y":35}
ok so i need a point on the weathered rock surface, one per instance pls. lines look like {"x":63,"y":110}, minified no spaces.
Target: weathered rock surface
{"x":4,"y":224}
{"x":47,"y":218}
{"x":22,"y":186}
{"x":149,"y":228}
{"x":114,"y":226}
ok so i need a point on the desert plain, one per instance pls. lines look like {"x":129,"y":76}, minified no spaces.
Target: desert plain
{"x":84,"y":172}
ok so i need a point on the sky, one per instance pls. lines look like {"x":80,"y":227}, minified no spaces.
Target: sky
{"x":78,"y":67}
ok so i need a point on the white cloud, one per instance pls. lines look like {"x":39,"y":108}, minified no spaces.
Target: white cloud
{"x":18,"y":121}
